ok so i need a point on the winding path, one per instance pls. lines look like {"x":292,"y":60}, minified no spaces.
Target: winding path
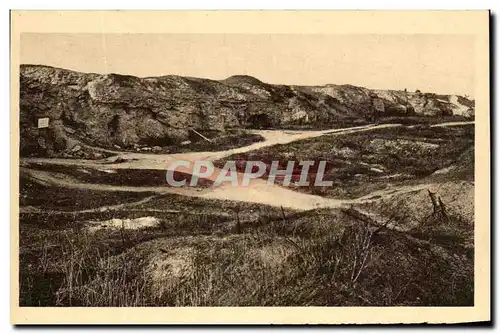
{"x":257,"y":192}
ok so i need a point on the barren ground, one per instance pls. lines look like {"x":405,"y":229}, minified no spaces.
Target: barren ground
{"x":110,"y":232}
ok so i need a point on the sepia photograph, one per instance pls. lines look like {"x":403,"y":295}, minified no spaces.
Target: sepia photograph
{"x":258,"y":169}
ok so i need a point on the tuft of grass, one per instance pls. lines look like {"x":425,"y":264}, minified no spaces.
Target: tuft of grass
{"x":322,"y":258}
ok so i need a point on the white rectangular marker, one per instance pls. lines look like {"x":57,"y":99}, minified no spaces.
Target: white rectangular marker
{"x":43,"y":122}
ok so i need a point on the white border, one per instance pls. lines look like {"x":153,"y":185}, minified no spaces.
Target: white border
{"x":187,"y":4}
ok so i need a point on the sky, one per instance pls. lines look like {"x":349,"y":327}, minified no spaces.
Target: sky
{"x":431,"y":63}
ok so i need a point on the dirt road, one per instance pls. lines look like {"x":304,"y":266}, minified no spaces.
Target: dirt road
{"x":162,"y":161}
{"x":257,"y":192}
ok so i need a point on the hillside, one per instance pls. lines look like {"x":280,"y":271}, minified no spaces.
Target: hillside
{"x":118,"y":110}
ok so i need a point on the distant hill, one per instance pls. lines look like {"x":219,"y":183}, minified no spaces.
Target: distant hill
{"x":112,"y":109}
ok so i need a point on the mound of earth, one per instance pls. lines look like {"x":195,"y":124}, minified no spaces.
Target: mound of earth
{"x":119,"y":110}
{"x":415,"y":208}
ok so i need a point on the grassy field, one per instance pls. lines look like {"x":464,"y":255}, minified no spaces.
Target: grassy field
{"x":363,"y":162}
{"x":423,"y":120}
{"x":228,"y":253}
{"x":234,"y":139}
{"x":118,"y":177}
{"x":55,"y":198}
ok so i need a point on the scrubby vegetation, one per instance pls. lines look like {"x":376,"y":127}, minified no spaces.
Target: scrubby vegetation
{"x":339,"y":123}
{"x":119,"y":177}
{"x":56,"y":198}
{"x":118,"y":248}
{"x":362,"y":162}
{"x":423,"y":120}
{"x":234,"y":139}
{"x":238,"y":257}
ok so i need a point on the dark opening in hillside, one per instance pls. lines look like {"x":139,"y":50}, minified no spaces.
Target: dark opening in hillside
{"x":113,"y":125}
{"x":259,"y":121}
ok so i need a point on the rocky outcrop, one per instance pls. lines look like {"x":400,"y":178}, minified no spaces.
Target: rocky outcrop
{"x":392,"y":102}
{"x":119,"y":110}
{"x":430,"y":104}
